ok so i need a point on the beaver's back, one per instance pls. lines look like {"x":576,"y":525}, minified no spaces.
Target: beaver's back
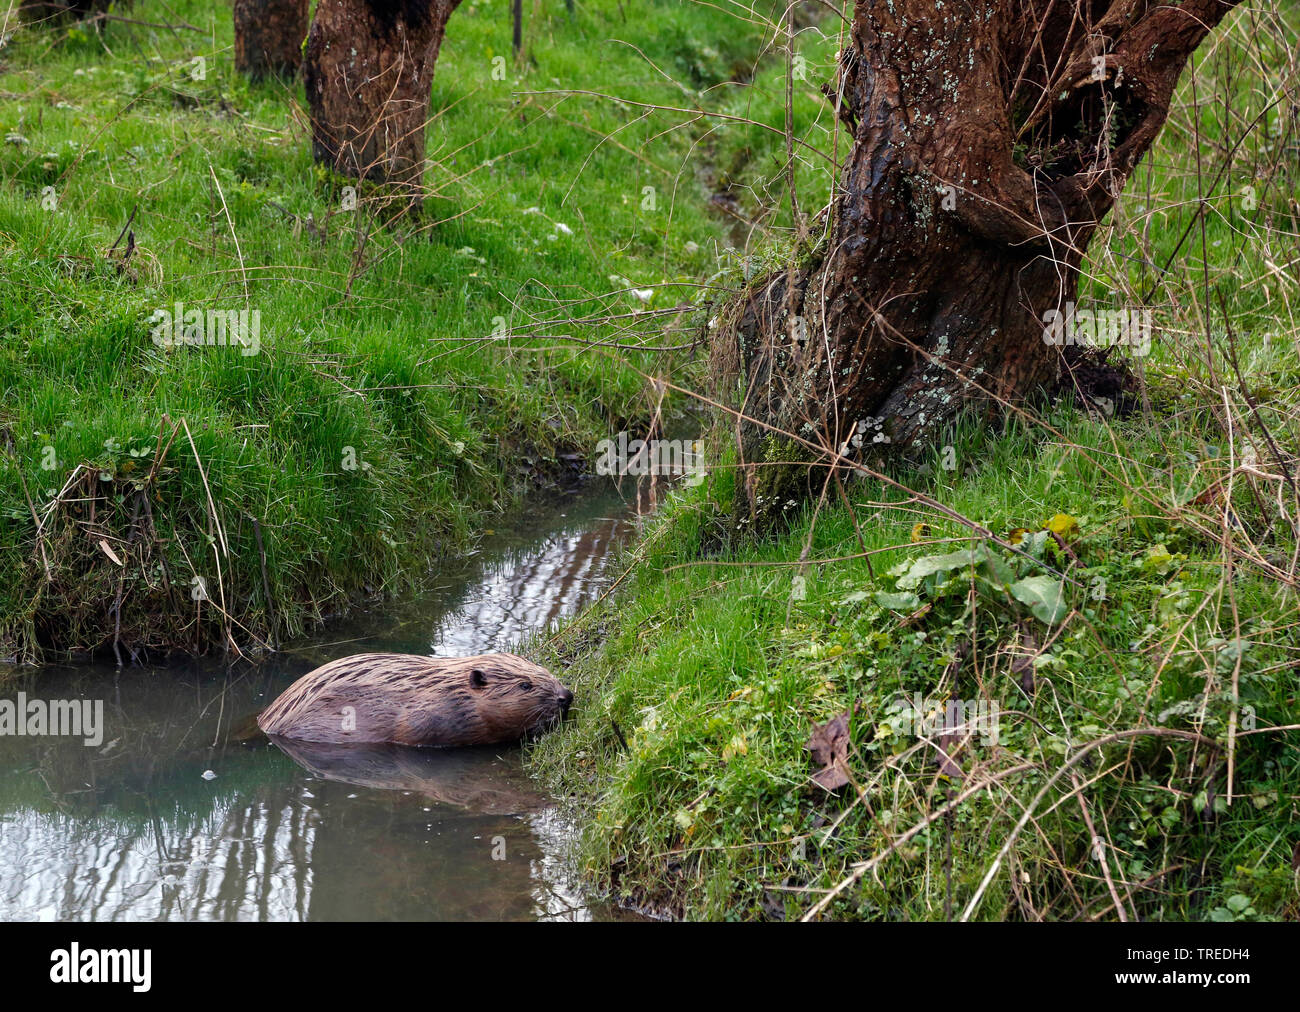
{"x":373,"y":698}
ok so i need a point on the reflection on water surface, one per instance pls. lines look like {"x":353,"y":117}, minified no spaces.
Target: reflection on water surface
{"x":170,"y":818}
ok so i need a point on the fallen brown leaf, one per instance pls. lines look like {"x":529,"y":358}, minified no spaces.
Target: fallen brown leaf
{"x":109,"y":551}
{"x":829,"y":745}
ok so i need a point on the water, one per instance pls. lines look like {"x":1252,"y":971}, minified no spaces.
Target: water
{"x":170,"y":818}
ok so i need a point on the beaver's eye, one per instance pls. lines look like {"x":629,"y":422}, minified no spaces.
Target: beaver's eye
{"x":528,"y":686}
{"x":477,"y":678}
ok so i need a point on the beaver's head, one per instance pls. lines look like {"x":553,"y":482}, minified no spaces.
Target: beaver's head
{"x":517,"y":694}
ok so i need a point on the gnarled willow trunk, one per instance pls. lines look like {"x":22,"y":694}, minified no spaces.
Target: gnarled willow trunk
{"x":269,"y":36}
{"x":35,"y":11}
{"x":368,"y":70}
{"x":989,"y":140}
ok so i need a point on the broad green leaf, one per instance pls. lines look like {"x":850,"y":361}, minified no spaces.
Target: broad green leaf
{"x":1043,"y":596}
{"x":930,"y":564}
{"x":906,"y":601}
{"x":996,"y":568}
{"x":1035,"y":543}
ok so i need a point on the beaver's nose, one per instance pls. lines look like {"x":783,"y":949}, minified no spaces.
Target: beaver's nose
{"x":566,"y":700}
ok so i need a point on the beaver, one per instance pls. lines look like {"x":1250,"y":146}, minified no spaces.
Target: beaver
{"x":407,"y":699}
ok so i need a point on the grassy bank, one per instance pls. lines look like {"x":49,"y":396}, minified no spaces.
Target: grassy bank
{"x":412,"y":375}
{"x":1139,"y":642}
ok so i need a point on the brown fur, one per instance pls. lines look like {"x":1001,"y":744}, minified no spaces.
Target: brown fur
{"x":407,"y":699}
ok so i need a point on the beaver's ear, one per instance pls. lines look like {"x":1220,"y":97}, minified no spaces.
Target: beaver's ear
{"x":477,"y":678}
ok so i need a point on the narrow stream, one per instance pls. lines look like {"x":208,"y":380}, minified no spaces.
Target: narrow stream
{"x":168,"y":818}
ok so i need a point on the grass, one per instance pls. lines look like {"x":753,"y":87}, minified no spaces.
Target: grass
{"x":1140,"y":643}
{"x":413,"y":377}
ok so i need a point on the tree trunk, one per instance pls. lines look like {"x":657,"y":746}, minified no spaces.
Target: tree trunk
{"x":369,"y":65}
{"x":989,"y":141}
{"x":269,"y":36}
{"x":36,"y":11}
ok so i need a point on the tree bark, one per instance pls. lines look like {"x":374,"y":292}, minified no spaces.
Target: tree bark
{"x":269,"y":36}
{"x":989,"y":141}
{"x":368,"y":71}
{"x":36,"y":11}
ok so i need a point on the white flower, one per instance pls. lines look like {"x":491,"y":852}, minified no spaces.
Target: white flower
{"x":563,"y":229}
